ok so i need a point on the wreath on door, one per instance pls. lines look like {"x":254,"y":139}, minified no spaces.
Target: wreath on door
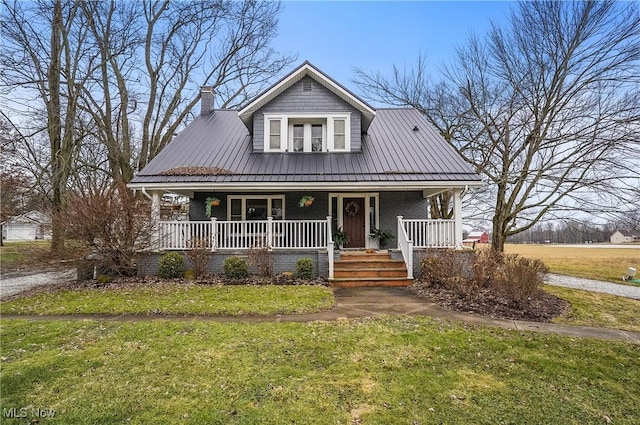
{"x":352,"y":208}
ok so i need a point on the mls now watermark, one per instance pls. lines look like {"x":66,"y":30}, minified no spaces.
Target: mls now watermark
{"x":28,"y":412}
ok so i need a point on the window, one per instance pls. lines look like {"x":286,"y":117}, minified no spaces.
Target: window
{"x":297,"y":144}
{"x":249,"y":208}
{"x":307,"y":133}
{"x":274,"y":135}
{"x":339,"y":134}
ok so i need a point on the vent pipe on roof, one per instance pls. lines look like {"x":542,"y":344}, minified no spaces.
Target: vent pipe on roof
{"x":206,"y":100}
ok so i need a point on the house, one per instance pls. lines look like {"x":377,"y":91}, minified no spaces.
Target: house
{"x":308,"y":138}
{"x":477,"y":236}
{"x":29,"y":226}
{"x":625,"y":236}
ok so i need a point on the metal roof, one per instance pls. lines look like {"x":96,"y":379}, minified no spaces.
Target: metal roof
{"x":392,"y":153}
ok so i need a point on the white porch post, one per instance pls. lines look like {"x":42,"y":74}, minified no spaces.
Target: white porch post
{"x":214,"y":234}
{"x":155,"y":219}
{"x":330,"y":247}
{"x":269,"y":241}
{"x":457,"y":216}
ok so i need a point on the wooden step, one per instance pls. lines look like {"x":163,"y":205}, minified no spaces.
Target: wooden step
{"x":368,"y":264}
{"x":360,"y":255}
{"x":362,"y":282}
{"x":370,"y":272}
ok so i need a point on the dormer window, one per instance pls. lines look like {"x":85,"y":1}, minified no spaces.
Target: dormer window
{"x":307,"y":133}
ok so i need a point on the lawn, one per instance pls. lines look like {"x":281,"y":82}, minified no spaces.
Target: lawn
{"x":172,"y":298}
{"x":608,"y":264}
{"x":598,"y":310}
{"x":14,"y":254}
{"x":396,"y":370}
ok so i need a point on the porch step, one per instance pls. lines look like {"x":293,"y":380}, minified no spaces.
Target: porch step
{"x":356,"y":269}
{"x":360,"y":282}
{"x":371,"y":272}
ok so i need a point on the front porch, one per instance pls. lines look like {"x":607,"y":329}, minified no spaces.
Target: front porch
{"x":292,"y":239}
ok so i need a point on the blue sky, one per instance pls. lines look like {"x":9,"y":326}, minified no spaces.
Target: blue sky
{"x":337,"y":36}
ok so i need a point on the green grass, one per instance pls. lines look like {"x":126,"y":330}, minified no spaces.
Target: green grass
{"x":177,"y":299}
{"x":598,"y":310}
{"x":376,"y":371}
{"x":14,"y":254}
{"x":607,"y":264}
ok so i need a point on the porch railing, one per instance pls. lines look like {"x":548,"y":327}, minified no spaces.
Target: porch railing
{"x":431,"y":233}
{"x":405,"y":245}
{"x":276,"y":234}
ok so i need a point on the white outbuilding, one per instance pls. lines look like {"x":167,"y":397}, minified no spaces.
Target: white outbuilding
{"x":30,"y":226}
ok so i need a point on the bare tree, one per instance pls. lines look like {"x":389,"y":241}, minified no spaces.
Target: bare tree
{"x":546,"y":108}
{"x":44,"y":55}
{"x":154,"y":55}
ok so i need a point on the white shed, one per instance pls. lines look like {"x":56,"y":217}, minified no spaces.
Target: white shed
{"x":30,"y":226}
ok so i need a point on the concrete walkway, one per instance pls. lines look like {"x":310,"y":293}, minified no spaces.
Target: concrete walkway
{"x":14,"y":283}
{"x":620,"y":290}
{"x":370,"y":302}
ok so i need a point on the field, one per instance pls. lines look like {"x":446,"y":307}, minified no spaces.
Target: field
{"x":608,"y":264}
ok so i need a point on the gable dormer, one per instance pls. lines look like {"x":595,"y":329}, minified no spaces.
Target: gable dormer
{"x":307,"y":111}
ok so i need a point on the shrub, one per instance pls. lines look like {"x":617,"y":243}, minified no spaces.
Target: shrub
{"x":448,"y":268}
{"x":304,"y":268}
{"x":262,"y":259}
{"x":111,"y":223}
{"x":235,"y":268}
{"x":485,"y":264}
{"x":519,"y":279}
{"x":171,"y":265}
{"x":199,"y":254}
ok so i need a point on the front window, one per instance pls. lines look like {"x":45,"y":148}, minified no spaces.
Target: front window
{"x":297,"y":144}
{"x":247,"y":208}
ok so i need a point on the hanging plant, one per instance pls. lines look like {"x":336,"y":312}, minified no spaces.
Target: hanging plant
{"x":210,"y":202}
{"x":306,"y":201}
{"x":352,"y":208}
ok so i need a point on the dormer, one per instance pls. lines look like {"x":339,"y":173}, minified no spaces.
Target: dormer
{"x":307,"y":112}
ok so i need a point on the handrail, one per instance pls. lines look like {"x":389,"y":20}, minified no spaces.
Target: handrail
{"x":406,"y":247}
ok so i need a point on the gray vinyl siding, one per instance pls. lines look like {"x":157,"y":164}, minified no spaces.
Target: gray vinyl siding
{"x":295,"y":100}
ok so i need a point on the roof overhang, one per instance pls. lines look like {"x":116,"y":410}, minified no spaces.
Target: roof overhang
{"x":188,"y":189}
{"x":306,"y":69}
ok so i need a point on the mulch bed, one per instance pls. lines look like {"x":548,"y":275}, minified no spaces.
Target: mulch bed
{"x":543,"y":308}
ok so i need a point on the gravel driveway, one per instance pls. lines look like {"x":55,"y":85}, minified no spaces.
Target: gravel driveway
{"x":13,"y":283}
{"x":594,"y":286}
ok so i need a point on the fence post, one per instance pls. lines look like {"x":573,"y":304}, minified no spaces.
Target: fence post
{"x":214,"y":234}
{"x":400,"y":229}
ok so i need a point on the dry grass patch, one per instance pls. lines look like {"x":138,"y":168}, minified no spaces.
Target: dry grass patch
{"x":607,"y":264}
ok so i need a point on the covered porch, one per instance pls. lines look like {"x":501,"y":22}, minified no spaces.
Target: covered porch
{"x":240,"y":224}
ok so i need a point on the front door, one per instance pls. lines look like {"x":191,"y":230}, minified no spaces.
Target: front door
{"x":353,"y":222}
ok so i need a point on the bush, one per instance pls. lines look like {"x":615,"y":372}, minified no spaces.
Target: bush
{"x":513,"y":278}
{"x":448,"y":268}
{"x":304,"y":268}
{"x":111,"y":223}
{"x":171,"y":265}
{"x":199,"y":254}
{"x":262,"y":259}
{"x":519,"y":279}
{"x":235,"y":268}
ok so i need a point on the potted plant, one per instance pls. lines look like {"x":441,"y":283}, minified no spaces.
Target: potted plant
{"x":211,"y":201}
{"x":382,"y":236}
{"x":306,"y":201}
{"x":339,"y":238}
